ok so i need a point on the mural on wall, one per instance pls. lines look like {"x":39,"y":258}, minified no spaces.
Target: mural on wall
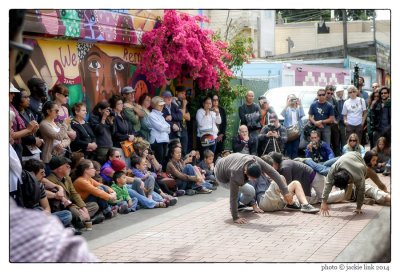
{"x":117,"y":26}
{"x":307,"y":75}
{"x":91,"y":52}
{"x":92,"y":72}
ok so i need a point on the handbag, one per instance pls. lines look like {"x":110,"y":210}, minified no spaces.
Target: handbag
{"x":207,"y":139}
{"x":127,"y":148}
{"x":293,"y":132}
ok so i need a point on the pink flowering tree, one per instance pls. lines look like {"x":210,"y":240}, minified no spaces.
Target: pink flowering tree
{"x":179,"y":47}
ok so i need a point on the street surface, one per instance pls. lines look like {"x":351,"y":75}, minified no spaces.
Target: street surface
{"x":200,"y":229}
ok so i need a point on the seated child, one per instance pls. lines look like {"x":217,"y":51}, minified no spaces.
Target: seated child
{"x":140,"y":171}
{"x":124,"y":202}
{"x":208,"y":166}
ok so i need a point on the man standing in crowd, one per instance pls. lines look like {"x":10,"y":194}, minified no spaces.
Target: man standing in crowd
{"x":335,"y":137}
{"x":38,"y":89}
{"x":132,"y":110}
{"x":381,"y":115}
{"x":321,"y":115}
{"x":341,"y":126}
{"x":172,"y":115}
{"x":266,"y":110}
{"x":250,"y":115}
{"x":272,"y":137}
{"x":361,"y":93}
{"x":354,"y":113}
{"x":235,"y":170}
{"x":182,"y":103}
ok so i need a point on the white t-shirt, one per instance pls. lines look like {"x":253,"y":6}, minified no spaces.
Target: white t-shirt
{"x":354,"y":108}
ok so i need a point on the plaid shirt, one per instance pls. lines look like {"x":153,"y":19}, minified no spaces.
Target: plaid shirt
{"x":37,"y":237}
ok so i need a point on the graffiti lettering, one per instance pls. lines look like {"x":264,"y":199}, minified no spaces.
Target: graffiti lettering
{"x":131,"y":57}
{"x":68,"y":58}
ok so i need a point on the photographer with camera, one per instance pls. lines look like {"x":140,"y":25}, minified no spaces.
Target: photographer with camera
{"x":318,"y":150}
{"x":101,"y":121}
{"x":272,"y":137}
{"x":292,"y":112}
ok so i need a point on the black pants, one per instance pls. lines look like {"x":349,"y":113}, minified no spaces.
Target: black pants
{"x":160,"y":152}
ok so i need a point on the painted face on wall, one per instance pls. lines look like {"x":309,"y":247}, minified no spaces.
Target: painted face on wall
{"x":102,"y":75}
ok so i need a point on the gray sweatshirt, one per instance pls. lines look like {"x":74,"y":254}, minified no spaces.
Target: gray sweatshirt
{"x":230,"y":171}
{"x":355,"y":165}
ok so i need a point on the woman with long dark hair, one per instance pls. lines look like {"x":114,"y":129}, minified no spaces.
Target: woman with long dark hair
{"x":122,"y":128}
{"x":30,"y":143}
{"x":93,"y":191}
{"x":101,"y":123}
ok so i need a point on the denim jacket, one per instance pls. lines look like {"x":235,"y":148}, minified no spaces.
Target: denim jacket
{"x":288,"y":116}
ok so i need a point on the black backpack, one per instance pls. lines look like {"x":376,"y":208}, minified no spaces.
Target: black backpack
{"x":28,"y":193}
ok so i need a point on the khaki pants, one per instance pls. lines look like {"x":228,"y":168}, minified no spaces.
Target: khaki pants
{"x":272,"y":200}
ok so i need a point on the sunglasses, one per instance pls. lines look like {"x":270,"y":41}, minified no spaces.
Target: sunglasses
{"x":351,"y":92}
{"x":384,"y":93}
{"x":329,"y":93}
{"x":24,"y":54}
{"x":321,"y":95}
{"x":352,"y":140}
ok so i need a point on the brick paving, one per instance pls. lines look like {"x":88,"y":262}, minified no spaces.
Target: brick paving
{"x":209,"y":235}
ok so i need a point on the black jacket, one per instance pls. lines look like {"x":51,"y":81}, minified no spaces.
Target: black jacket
{"x":263,"y":141}
{"x":177,"y":117}
{"x":84,"y":136}
{"x":103,"y":132}
{"x":238,"y":145}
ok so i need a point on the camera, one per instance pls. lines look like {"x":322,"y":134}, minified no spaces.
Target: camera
{"x":271,"y":127}
{"x":150,"y":151}
{"x":293,"y":99}
{"x":112,"y":113}
{"x":314,"y":145}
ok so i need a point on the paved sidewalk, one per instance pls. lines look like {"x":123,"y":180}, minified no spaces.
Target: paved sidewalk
{"x":207,"y":234}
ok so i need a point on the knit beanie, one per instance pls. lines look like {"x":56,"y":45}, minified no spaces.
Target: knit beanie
{"x":117,"y":165}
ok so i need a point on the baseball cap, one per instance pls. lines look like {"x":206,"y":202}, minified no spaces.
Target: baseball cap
{"x":272,"y":118}
{"x":157,"y":101}
{"x":127,"y":89}
{"x":339,"y":89}
{"x":166,"y":94}
{"x":57,"y":161}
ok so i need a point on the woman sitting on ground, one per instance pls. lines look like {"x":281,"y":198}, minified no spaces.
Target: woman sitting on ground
{"x":142,"y":149}
{"x":382,"y":148}
{"x":353,"y":144}
{"x":93,"y":191}
{"x":185,"y":174}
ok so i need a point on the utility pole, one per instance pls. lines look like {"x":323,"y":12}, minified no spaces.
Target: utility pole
{"x":344,"y":33}
{"x":374,"y":26}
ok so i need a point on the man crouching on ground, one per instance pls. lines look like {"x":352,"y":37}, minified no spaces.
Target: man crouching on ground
{"x":349,"y":168}
{"x":234,"y":171}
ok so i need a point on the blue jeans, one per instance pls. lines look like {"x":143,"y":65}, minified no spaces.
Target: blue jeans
{"x":323,"y":168}
{"x":65,"y":217}
{"x":184,"y":141}
{"x":103,"y":204}
{"x":325,"y":134}
{"x":184,"y":185}
{"x":292,"y":148}
{"x":142,"y":200}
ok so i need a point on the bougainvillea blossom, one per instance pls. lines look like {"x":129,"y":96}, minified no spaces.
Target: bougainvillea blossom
{"x":179,"y":47}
